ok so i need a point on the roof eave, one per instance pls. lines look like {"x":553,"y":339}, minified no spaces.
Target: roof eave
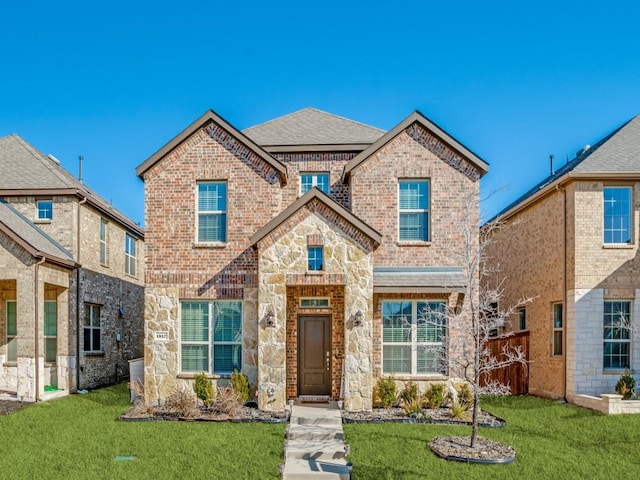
{"x":338,"y":147}
{"x":34,"y":252}
{"x":211,"y":116}
{"x":415,"y":116}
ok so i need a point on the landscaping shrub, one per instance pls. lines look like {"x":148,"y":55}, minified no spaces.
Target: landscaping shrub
{"x":460,"y":410}
{"x":434,"y":396}
{"x":228,"y":401}
{"x":626,"y":386}
{"x":410,"y":393}
{"x":412,"y":407}
{"x":384,"y":392}
{"x":465,"y":394}
{"x":240,"y":384}
{"x":204,"y":389}
{"x":180,"y":404}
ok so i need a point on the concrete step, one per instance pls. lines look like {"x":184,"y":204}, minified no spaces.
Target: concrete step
{"x":296,"y":469}
{"x":317,"y":433}
{"x":332,"y":450}
{"x":317,"y":420}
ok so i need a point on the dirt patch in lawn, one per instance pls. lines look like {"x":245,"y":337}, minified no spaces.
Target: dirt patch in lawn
{"x":7,"y":407}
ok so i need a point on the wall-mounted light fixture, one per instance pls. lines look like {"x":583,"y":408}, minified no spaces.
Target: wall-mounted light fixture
{"x":270,"y":319}
{"x":358,"y":318}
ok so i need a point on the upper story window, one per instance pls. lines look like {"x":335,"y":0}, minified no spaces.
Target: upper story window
{"x":617,"y":215}
{"x":314,"y":179}
{"x":315,"y":260}
{"x":413,"y":210}
{"x":45,"y":210}
{"x":129,"y":255}
{"x":103,"y":241}
{"x":212,"y":212}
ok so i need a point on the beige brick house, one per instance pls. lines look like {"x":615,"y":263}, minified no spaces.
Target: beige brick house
{"x":75,"y":265}
{"x":571,"y":243}
{"x":302,"y":251}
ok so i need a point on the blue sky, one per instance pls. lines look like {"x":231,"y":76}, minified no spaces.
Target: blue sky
{"x":513,"y":81}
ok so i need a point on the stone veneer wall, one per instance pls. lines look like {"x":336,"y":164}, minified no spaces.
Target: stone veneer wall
{"x":282,"y":255}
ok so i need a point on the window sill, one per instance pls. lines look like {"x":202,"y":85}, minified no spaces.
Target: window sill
{"x":10,"y":364}
{"x":419,"y":377}
{"x":315,"y":272}
{"x":212,"y":376}
{"x":210,"y":245}
{"x":401,"y":243}
{"x":130,"y":276}
{"x":41,"y":221}
{"x":618,"y":246}
{"x":617,"y":371}
{"x":94,"y":354}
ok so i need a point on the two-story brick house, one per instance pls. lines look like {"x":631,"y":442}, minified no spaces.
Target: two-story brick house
{"x":73,"y":263}
{"x":302,"y":251}
{"x":571,"y":244}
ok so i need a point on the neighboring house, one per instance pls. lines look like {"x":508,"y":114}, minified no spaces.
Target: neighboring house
{"x":304,"y":252}
{"x":571,"y":244}
{"x":73,"y":263}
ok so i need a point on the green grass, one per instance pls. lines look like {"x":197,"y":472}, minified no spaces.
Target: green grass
{"x":552,"y":440}
{"x":79,"y":437}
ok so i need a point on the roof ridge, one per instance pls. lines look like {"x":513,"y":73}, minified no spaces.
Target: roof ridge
{"x":279,"y":118}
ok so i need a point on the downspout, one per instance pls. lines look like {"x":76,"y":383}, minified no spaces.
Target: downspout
{"x":564,"y":289}
{"x":81,"y":202}
{"x":37,"y":320}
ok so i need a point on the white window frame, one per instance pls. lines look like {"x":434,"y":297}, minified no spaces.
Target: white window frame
{"x":311,"y":256}
{"x":623,"y":328}
{"x":90,"y":326}
{"x":326,"y":302}
{"x":41,"y":211}
{"x":130,"y":255}
{"x":424,"y":211}
{"x":210,"y":343}
{"x":415,"y":321}
{"x":212,"y":212}
{"x":613,"y":231}
{"x":104,"y":258}
{"x":48,"y":338}
{"x":314,"y":181}
{"x":557,"y":333}
{"x":11,"y":338}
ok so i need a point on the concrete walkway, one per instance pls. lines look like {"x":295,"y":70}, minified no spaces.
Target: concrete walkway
{"x":314,"y":445}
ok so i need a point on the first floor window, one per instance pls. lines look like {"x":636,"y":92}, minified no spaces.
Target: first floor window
{"x":522,"y":318}
{"x":92,"y":328}
{"x":413,"y":337}
{"x":413,"y":209}
{"x":50,"y":331}
{"x":45,"y":210}
{"x":129,"y":255}
{"x":211,"y":336}
{"x":557,"y":328}
{"x":616,"y":333}
{"x":12,"y":332}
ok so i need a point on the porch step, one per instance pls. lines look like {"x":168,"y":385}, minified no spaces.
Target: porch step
{"x":316,"y":450}
{"x":314,"y":398}
{"x":319,"y":433}
{"x":317,"y":469}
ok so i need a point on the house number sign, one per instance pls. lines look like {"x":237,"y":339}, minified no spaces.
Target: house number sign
{"x":162,"y":336}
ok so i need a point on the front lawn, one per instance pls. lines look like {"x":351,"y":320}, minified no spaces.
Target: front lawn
{"x":552,"y":440}
{"x":79,"y":437}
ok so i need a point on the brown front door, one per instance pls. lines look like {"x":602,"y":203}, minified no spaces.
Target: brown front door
{"x":314,"y":355}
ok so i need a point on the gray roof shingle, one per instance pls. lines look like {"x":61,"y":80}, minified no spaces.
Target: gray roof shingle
{"x":419,"y":277}
{"x":310,"y":126}
{"x":16,"y":224}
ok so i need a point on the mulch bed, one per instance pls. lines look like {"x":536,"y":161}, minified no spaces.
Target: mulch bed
{"x":244,"y":414}
{"x":485,"y":450}
{"x":438,"y":415}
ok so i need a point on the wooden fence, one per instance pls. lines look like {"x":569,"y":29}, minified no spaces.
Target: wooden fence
{"x":514,"y":375}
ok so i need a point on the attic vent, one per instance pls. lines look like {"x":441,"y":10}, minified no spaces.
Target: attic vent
{"x":53,"y":159}
{"x":583,"y":150}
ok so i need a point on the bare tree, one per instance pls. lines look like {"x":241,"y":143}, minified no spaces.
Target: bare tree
{"x":480,"y":316}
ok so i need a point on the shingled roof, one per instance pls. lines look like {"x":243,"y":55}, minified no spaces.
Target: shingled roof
{"x":31,"y":238}
{"x":617,"y":155}
{"x":27,"y":171}
{"x":310,"y":126}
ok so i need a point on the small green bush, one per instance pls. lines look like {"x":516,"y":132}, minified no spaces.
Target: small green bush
{"x":626,"y":386}
{"x":385,"y":391}
{"x":434,"y":396}
{"x":412,"y":407}
{"x":409,"y":394}
{"x":465,"y":394}
{"x":204,"y":389}
{"x":240,"y":384}
{"x":460,"y":410}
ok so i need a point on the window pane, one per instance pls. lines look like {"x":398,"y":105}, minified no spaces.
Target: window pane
{"x":616,"y":355}
{"x":397,"y":359}
{"x":227,"y":322}
{"x":50,"y":351}
{"x":212,"y":197}
{"x":557,"y":342}
{"x":413,"y":226}
{"x":414,"y":195}
{"x":12,"y":323}
{"x":431,"y":322}
{"x":212,"y":227}
{"x":557,"y":315}
{"x":315,"y":258}
{"x":12,"y":349}
{"x":96,"y":340}
{"x":429,"y":359}
{"x":195,"y":358}
{"x":45,"y":210}
{"x":396,"y":322}
{"x":50,"y":315}
{"x":323,"y":182}
{"x":617,"y":320}
{"x":306,"y":182}
{"x":617,"y":215}
{"x":226,"y":358}
{"x":87,"y":340}
{"x":195,"y":321}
